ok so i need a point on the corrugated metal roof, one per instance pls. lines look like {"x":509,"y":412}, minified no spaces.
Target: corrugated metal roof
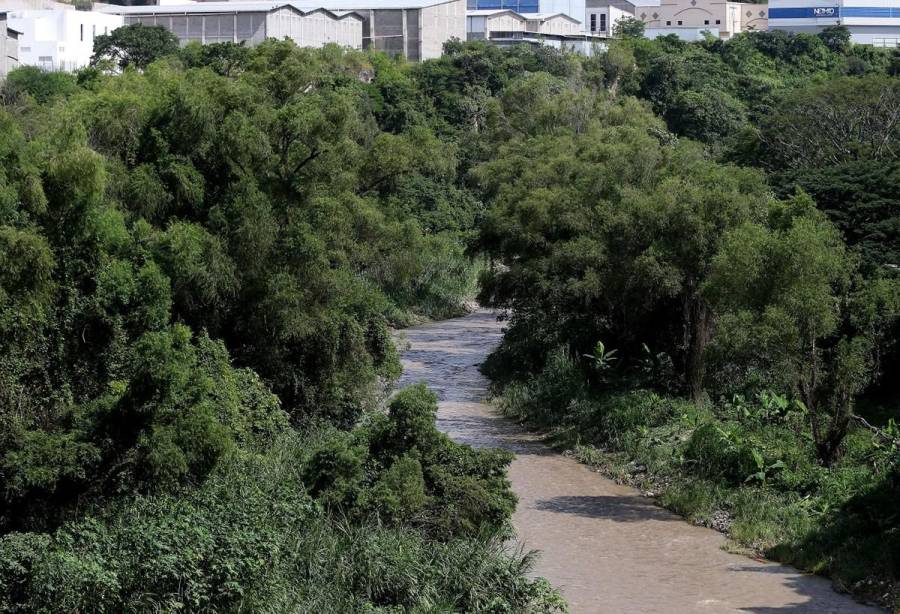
{"x":546,"y":16}
{"x":357,"y":5}
{"x":219,"y":7}
{"x":333,"y":6}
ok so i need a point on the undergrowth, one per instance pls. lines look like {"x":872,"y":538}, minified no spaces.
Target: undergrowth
{"x":746,"y":467}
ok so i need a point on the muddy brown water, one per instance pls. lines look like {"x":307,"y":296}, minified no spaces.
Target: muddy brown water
{"x":605,"y":546}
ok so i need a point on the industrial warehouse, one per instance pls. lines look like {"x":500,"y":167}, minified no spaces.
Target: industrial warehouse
{"x":248,"y":22}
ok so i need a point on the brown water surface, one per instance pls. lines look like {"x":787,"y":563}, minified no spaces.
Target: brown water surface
{"x":606,"y":547}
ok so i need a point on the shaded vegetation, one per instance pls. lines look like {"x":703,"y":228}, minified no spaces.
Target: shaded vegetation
{"x":723,"y":335}
{"x":202,"y":251}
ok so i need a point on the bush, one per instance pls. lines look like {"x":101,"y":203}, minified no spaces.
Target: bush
{"x":399,"y":467}
{"x":251,"y":539}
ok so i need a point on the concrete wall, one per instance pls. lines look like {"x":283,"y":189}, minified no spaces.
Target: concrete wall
{"x":440,"y":23}
{"x":209,"y":27}
{"x":573,"y":8}
{"x":554,"y":25}
{"x":877,"y":36}
{"x":685,"y":34}
{"x":505,"y":23}
{"x":60,"y":39}
{"x":604,"y":19}
{"x":729,"y":18}
{"x":9,"y":49}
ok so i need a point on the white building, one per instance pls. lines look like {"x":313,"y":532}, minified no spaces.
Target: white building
{"x":413,"y":29}
{"x":481,"y":25}
{"x":60,"y":39}
{"x":729,"y":18}
{"x":573,"y":8}
{"x":247,"y":22}
{"x":553,"y":23}
{"x":505,"y":28}
{"x":687,"y":19}
{"x":601,"y":16}
{"x":9,"y":47}
{"x":870,"y":22}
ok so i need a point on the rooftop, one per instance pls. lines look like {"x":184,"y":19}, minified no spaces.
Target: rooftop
{"x":526,"y":16}
{"x":546,"y":16}
{"x":215,"y":7}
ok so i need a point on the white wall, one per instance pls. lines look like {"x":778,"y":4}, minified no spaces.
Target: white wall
{"x":554,"y":25}
{"x":440,"y":23}
{"x":729,"y":18}
{"x":60,"y":39}
{"x":572,"y":8}
{"x":8,"y":50}
{"x":610,"y":15}
{"x":504,"y":22}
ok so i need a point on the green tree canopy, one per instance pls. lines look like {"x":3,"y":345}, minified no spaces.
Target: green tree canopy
{"x":134,"y":45}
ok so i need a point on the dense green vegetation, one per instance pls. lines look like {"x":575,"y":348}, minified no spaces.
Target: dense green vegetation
{"x":202,"y":252}
{"x":199,"y":265}
{"x":707,"y":304}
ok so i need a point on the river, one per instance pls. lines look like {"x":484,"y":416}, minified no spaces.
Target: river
{"x":606,"y":547}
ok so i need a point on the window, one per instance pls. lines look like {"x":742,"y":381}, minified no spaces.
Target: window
{"x":679,"y":23}
{"x":718,"y":21}
{"x":106,"y":29}
{"x":593,"y":22}
{"x":93,"y":31}
{"x":668,"y":23}
{"x":706,"y":22}
{"x":81,"y":28}
{"x":603,"y":22}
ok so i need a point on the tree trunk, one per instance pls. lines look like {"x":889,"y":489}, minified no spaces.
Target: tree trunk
{"x":699,"y":328}
{"x":829,"y":447}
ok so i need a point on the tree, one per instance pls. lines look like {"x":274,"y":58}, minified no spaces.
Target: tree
{"x":791,"y":302}
{"x":707,"y":115}
{"x":836,"y":38}
{"x":42,"y":85}
{"x":862,"y":199}
{"x":628,"y":27}
{"x":836,"y":121}
{"x":607,"y":231}
{"x":134,"y":45}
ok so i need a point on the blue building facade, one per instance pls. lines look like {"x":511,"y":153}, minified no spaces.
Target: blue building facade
{"x":519,"y":6}
{"x":870,"y":22}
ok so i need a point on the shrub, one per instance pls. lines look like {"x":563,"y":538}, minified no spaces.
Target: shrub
{"x":251,"y":539}
{"x":400,"y":468}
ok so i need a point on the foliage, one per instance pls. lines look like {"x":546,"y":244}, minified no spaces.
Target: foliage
{"x":736,"y":466}
{"x":42,"y":85}
{"x":628,"y":27}
{"x":791,"y":311}
{"x":134,"y":45}
{"x":601,"y":222}
{"x":251,"y":538}
{"x":199,"y":263}
{"x":401,"y":468}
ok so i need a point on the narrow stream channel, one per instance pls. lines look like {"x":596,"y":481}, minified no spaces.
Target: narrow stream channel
{"x":606,"y":547}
